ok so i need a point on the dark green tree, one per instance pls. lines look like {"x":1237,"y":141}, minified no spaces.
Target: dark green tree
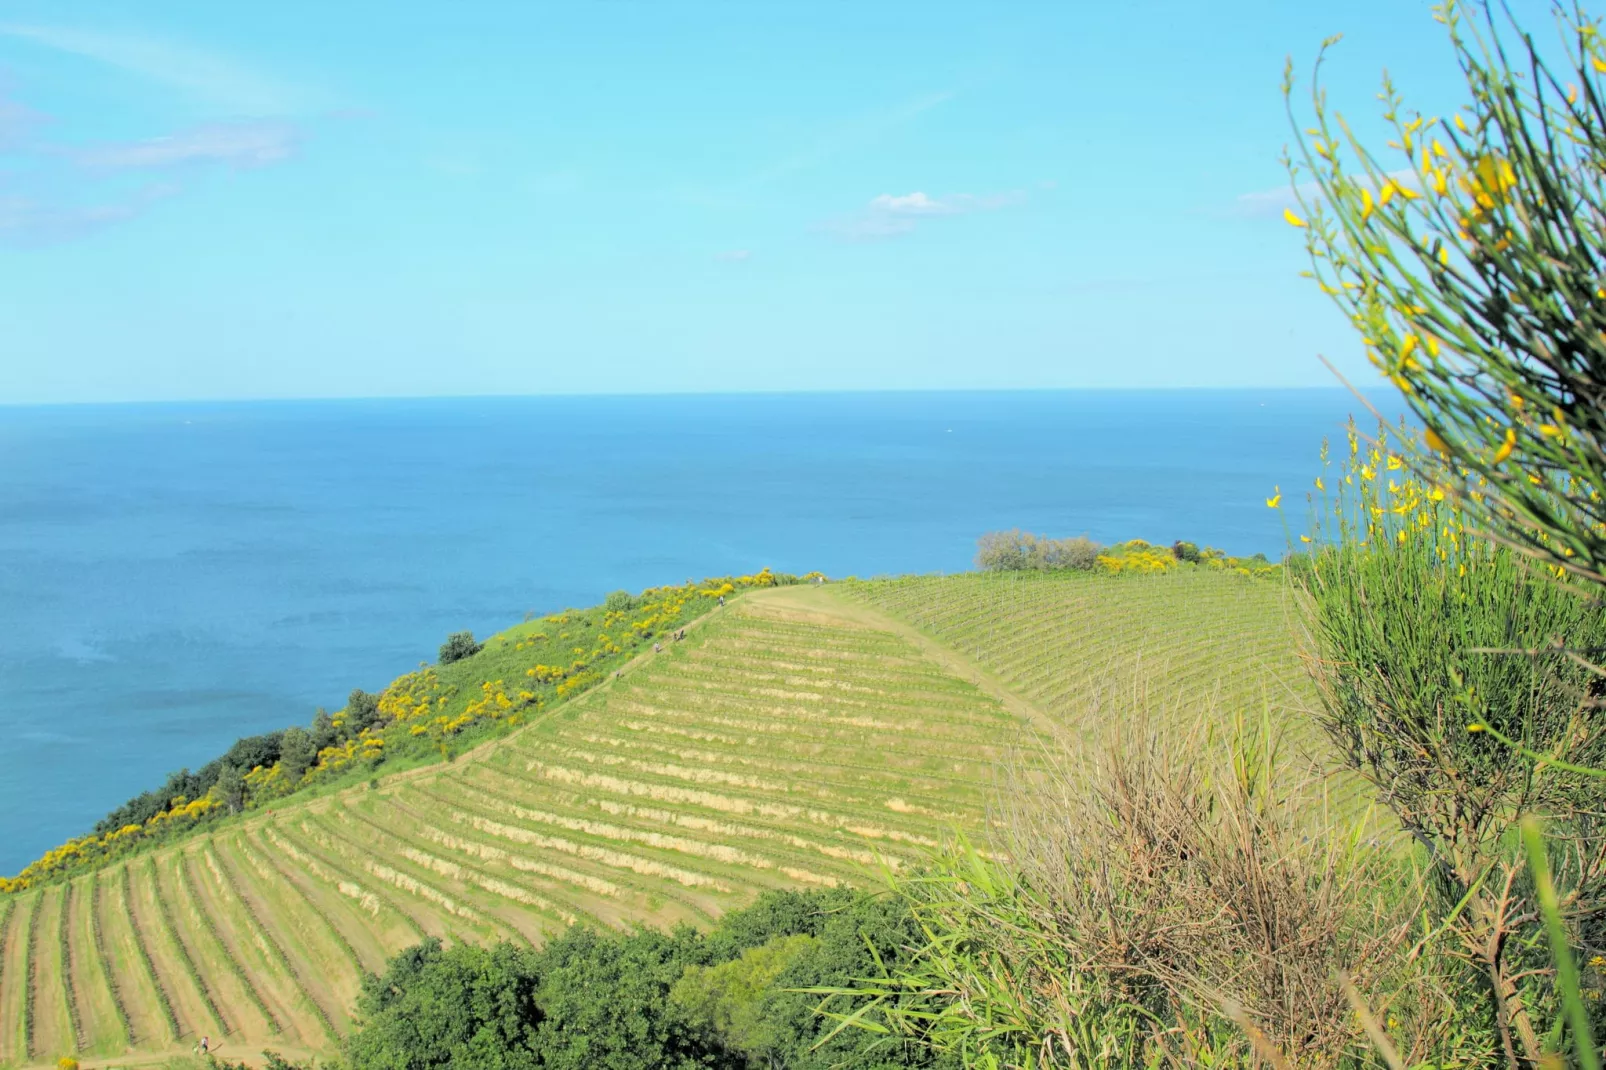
{"x":607,"y":1004}
{"x":231,"y":789}
{"x":362,"y":711}
{"x":297,"y":753}
{"x":469,"y":1008}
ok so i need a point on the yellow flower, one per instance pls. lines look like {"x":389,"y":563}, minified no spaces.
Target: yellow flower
{"x":1304,"y":538}
{"x":1319,"y":484}
{"x":1276,"y":499}
{"x":1293,"y":220}
{"x":1507,"y":446}
{"x":1366,"y":205}
{"x":1395,"y":463}
{"x":1435,"y":442}
{"x":1600,"y":65}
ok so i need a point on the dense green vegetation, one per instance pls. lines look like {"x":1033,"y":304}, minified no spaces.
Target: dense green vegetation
{"x":732,"y":997}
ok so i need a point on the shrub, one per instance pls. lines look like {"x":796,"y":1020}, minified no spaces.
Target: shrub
{"x":1017,"y":551}
{"x":1426,"y":640}
{"x":459,"y":645}
{"x":1167,"y":898}
{"x":620,"y":602}
{"x":1185,"y":551}
{"x":1471,"y":264}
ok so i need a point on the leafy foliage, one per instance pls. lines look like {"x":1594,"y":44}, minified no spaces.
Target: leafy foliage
{"x":459,"y":645}
{"x":1016,"y":551}
{"x":642,"y":1000}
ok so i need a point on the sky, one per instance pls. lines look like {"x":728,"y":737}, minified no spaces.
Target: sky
{"x":296,"y":200}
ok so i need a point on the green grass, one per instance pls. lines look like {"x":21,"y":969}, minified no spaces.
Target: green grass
{"x":795,"y":738}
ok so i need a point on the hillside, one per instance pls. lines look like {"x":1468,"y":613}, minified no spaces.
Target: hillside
{"x":793,"y":738}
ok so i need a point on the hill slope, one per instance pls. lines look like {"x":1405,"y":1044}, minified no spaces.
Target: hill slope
{"x":793,"y":738}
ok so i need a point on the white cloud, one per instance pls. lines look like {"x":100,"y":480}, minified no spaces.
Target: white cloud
{"x":734,"y":255}
{"x":218,"y":80}
{"x":239,"y":145}
{"x":891,"y":214}
{"x":1272,"y":202}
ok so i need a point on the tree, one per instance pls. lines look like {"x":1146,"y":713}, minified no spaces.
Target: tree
{"x":297,"y":752}
{"x":1472,"y":266}
{"x":619,"y":602}
{"x":230,"y":789}
{"x":362,"y":710}
{"x":468,"y":1007}
{"x":324,"y":733}
{"x":728,"y":998}
{"x":606,"y":998}
{"x":459,"y":645}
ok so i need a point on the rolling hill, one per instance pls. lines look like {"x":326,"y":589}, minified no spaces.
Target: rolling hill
{"x":796,"y":737}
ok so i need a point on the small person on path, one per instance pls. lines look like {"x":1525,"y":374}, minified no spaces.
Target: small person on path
{"x":203,"y":1046}
{"x":721,"y":599}
{"x":657,"y":648}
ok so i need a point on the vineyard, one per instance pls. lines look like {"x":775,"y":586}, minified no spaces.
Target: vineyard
{"x":1080,"y":646}
{"x":793,"y":738}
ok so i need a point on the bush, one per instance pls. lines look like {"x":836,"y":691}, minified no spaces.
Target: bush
{"x":1018,"y":551}
{"x":619,"y":602}
{"x":1431,"y":646}
{"x":1186,"y":551}
{"x":1470,"y":264}
{"x":459,"y":645}
{"x":1168,"y":901}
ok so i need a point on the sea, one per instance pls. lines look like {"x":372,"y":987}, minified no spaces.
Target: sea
{"x":174,"y":576}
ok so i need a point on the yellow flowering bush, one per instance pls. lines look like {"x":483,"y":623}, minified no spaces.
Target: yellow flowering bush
{"x":1469,"y":258}
{"x":1134,"y":557}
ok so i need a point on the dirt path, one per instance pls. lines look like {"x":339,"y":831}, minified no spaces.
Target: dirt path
{"x":823,"y":605}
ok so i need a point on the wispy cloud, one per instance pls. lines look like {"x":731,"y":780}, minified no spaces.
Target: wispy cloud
{"x":219,"y":80}
{"x":734,"y":255}
{"x":890,"y":215}
{"x":240,"y":145}
{"x":1271,"y":202}
{"x":53,"y":192}
{"x":27,"y":221}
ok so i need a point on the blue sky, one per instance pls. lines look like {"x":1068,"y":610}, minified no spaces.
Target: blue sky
{"x":205,"y":200}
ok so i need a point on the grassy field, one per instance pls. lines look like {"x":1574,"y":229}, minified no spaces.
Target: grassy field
{"x":794,"y":738}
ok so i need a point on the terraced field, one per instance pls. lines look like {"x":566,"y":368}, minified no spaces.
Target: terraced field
{"x":793,"y":738}
{"x":1079,"y":646}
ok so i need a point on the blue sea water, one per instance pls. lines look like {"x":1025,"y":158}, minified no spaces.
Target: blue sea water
{"x":175,"y":576}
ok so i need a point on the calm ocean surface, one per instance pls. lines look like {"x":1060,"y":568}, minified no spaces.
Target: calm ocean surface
{"x":175,"y":576}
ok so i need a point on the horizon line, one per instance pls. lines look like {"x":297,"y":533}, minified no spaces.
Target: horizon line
{"x":559,"y":395}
